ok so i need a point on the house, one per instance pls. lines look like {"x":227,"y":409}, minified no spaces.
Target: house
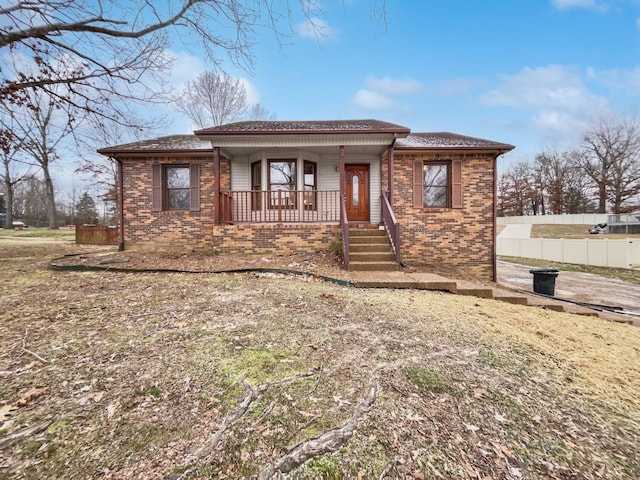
{"x":268,"y":186}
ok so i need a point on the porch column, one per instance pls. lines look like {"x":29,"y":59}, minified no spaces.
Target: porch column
{"x":390,"y":174}
{"x":216,"y":186}
{"x":342,"y":178}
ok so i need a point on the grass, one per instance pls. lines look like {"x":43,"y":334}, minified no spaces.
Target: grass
{"x":572,"y":231}
{"x":63,"y":234}
{"x":139,"y":371}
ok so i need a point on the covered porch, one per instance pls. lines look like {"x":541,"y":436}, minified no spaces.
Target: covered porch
{"x":305,"y":173}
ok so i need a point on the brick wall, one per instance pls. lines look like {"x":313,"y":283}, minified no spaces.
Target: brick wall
{"x":460,"y":238}
{"x":195,"y":230}
{"x":167,"y":229}
{"x":273,"y":238}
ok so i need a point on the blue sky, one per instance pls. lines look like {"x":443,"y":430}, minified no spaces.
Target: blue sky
{"x":527,"y":72}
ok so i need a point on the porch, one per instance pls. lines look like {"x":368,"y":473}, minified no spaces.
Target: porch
{"x":280,"y":206}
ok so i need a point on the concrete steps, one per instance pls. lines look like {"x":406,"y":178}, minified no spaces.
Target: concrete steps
{"x":429,"y":281}
{"x":370,"y":251}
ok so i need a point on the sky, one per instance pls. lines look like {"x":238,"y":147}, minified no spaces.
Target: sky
{"x":532,"y":73}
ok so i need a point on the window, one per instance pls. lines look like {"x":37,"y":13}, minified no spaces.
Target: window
{"x":437,"y":184}
{"x":282,"y":183}
{"x":310,"y":185}
{"x":176,"y":187}
{"x":256,"y":185}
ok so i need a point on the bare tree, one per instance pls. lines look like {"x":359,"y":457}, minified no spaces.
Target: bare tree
{"x":611,"y":160}
{"x":517,"y":193}
{"x":259,"y":112}
{"x":213,"y":99}
{"x":10,"y":149}
{"x":102,"y":50}
{"x":563,"y":184}
{"x":43,"y":126}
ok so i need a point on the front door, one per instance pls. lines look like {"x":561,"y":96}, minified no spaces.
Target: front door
{"x":357,"y":192}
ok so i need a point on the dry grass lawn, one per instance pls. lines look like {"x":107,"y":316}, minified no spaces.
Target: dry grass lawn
{"x":164,"y":376}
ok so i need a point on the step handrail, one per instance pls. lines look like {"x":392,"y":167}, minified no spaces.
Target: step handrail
{"x":391,"y":225}
{"x":344,"y":223}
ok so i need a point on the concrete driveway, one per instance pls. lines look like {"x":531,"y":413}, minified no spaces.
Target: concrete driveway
{"x":578,"y":287}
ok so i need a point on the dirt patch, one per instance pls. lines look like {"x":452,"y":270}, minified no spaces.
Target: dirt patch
{"x":131,"y":375}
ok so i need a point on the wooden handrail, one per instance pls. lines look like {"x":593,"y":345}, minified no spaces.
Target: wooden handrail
{"x":391,"y":225}
{"x":344,"y":223}
{"x":280,"y":206}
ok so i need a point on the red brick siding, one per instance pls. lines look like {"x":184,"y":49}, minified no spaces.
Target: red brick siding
{"x":460,"y":238}
{"x":273,"y":238}
{"x":179,"y":229}
{"x":191,"y":230}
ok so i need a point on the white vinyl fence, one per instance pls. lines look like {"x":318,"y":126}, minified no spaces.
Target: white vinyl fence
{"x":577,"y":219}
{"x":602,"y":252}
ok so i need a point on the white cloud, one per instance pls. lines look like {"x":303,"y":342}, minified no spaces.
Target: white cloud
{"x":370,"y":100}
{"x":559,"y":100}
{"x":566,"y":4}
{"x":186,"y":67}
{"x":315,"y":28}
{"x":390,"y":86}
{"x":380,"y":92}
{"x":253,"y":97}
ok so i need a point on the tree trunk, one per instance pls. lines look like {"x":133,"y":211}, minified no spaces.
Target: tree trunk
{"x":51,"y":201}
{"x":8,"y":189}
{"x":602,"y":200}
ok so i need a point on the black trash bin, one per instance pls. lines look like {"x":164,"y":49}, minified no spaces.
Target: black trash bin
{"x":544,"y":280}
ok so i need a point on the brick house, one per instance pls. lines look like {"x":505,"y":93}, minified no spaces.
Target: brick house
{"x":387,"y":195}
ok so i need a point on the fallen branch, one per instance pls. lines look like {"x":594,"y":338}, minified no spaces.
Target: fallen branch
{"x":328,"y":442}
{"x":251,"y":395}
{"x":25,"y":350}
{"x":27,"y":432}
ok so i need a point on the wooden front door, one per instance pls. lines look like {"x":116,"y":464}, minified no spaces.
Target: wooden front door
{"x":357,"y":192}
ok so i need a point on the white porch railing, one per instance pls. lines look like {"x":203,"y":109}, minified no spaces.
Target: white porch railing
{"x":280,"y":206}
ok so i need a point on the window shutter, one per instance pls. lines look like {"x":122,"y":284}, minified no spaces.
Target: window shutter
{"x":418,"y":184}
{"x":456,"y":184}
{"x":195,"y":186}
{"x":156,"y":195}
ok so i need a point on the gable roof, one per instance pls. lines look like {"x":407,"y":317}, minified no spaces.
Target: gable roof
{"x":447,"y":140}
{"x":305,"y":127}
{"x":172,"y":143}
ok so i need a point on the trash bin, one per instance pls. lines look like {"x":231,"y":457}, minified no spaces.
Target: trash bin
{"x":544,"y":280}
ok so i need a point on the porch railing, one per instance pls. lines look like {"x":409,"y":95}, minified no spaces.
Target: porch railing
{"x":280,"y":206}
{"x":391,"y":225}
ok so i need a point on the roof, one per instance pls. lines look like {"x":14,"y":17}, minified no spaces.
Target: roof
{"x":305,"y":127}
{"x":449,"y":141}
{"x":174,"y":143}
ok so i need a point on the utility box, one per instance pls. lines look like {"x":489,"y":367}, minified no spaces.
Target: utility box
{"x":544,"y":280}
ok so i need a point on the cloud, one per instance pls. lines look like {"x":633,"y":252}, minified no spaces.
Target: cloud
{"x":253,"y":97}
{"x":380,"y":92}
{"x":370,"y":100}
{"x":390,"y":86}
{"x":556,"y":96}
{"x":567,"y":4}
{"x":186,"y":67}
{"x":316,"y":29}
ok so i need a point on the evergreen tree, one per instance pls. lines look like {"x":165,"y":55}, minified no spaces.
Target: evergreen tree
{"x":86,"y":211}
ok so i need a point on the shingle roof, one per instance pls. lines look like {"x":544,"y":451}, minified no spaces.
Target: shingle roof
{"x":305,"y":127}
{"x":175,"y":143}
{"x":449,"y":140}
